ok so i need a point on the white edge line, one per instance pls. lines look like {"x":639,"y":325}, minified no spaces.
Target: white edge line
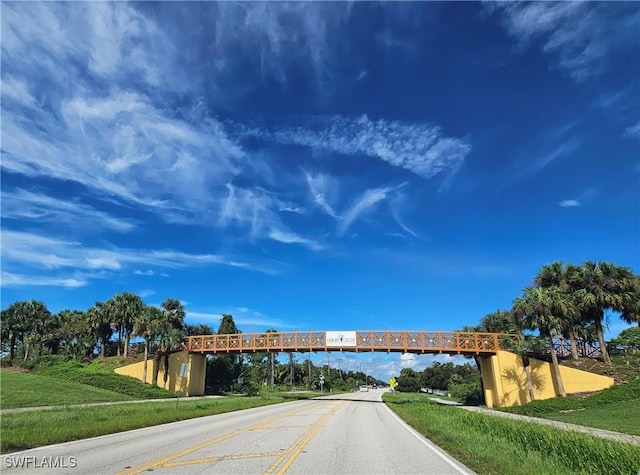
{"x":445,"y":456}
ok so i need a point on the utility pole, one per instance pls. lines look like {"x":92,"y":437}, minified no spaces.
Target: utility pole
{"x":309,"y":378}
{"x":328,"y":365}
{"x":291,"y":370}
{"x":271,"y":379}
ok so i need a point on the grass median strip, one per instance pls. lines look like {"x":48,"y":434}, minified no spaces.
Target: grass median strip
{"x":491,"y":445}
{"x":21,"y":431}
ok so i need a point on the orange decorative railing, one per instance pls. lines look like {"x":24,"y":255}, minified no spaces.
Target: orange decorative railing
{"x":389,"y":341}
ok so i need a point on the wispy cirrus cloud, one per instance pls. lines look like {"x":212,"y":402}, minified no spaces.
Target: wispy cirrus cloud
{"x":14,"y":280}
{"x":360,"y":206}
{"x":256,"y":210}
{"x":419,"y":148}
{"x":633,"y":131}
{"x":247,"y":319}
{"x":293,"y":238}
{"x":320,"y":186}
{"x":581,"y":35}
{"x":21,"y":251}
{"x":42,"y":208}
{"x":569,"y":203}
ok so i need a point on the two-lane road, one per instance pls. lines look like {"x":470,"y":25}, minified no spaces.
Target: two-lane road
{"x":344,"y":434}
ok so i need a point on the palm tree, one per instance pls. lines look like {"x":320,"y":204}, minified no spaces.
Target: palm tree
{"x":100,"y":324}
{"x":599,"y":287}
{"x":145,"y":326}
{"x":74,"y":334}
{"x":32,"y":319}
{"x":168,"y":332}
{"x":15,"y":325}
{"x":556,"y":275}
{"x":544,"y":309}
{"x":127,"y":307}
{"x":631,"y":312}
{"x":174,"y":312}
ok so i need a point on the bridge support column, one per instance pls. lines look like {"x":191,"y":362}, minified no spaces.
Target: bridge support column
{"x":491,"y":380}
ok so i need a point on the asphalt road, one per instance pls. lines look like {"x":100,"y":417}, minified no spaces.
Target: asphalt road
{"x":343,"y":434}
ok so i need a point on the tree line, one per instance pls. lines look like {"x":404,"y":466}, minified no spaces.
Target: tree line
{"x":124,"y":324}
{"x":564,"y":300}
{"x":569,"y":301}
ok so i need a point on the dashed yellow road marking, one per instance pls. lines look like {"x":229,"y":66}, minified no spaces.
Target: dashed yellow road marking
{"x":301,"y":442}
{"x":220,"y":458}
{"x":158,"y":462}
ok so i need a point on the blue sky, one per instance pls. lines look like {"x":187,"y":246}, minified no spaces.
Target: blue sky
{"x":316,"y":166}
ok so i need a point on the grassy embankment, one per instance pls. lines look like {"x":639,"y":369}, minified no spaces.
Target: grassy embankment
{"x":493,"y":445}
{"x":70,"y":383}
{"x":615,"y":409}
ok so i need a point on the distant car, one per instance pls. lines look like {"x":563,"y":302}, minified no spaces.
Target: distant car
{"x":364,"y":389}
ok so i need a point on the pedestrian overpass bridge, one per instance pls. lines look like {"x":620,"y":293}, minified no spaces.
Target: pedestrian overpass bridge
{"x":460,"y":343}
{"x":503,"y":375}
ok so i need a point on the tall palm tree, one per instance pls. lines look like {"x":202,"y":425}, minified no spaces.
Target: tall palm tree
{"x":145,"y":326}
{"x":35,"y":320}
{"x":168,"y":331}
{"x":599,"y":287}
{"x":631,"y":312}
{"x":18,"y":322}
{"x":544,"y":309}
{"x":127,"y":308}
{"x":174,"y":312}
{"x":100,"y":324}
{"x":556,"y":275}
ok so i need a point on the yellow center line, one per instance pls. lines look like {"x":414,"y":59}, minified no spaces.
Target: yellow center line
{"x":301,"y":442}
{"x":154,"y":463}
{"x":220,"y":458}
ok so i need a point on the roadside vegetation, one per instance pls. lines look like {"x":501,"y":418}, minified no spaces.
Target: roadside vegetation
{"x":615,"y":409}
{"x":493,"y":445}
{"x":86,"y":345}
{"x":25,"y":430}
{"x":33,"y":390}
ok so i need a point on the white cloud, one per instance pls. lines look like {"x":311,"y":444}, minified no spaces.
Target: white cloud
{"x":320,"y":185}
{"x":580,"y":34}
{"x":633,"y":131}
{"x":23,"y":204}
{"x":287,"y":237}
{"x":147,"y":272}
{"x":17,"y":91}
{"x":247,"y":320}
{"x":15,"y":280}
{"x":25,"y":251}
{"x":396,"y":205}
{"x":420,"y":148}
{"x":408,"y":360}
{"x":254,"y":210}
{"x":569,"y":203}
{"x":266,"y":36}
{"x":146,"y":293}
{"x":360,"y":206}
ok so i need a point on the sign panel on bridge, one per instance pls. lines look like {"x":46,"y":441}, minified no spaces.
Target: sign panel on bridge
{"x":341,"y":339}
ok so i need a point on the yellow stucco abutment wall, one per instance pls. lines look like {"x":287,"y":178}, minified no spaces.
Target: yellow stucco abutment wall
{"x":505,"y":382}
{"x":192,"y":384}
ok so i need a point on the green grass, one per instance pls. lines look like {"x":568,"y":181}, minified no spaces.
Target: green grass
{"x":101,"y":375}
{"x":21,"y":431}
{"x":493,"y":445}
{"x":620,"y":416}
{"x":29,"y":390}
{"x":613,"y":409}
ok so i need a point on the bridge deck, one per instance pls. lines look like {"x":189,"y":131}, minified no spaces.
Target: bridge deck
{"x":355,"y":341}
